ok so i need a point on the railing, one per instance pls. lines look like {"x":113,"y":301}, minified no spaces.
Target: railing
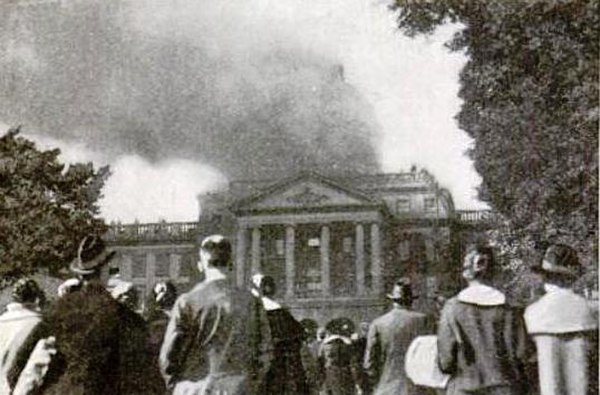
{"x":152,"y":232}
{"x":473,"y":217}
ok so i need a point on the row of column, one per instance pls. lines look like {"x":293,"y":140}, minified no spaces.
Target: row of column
{"x":290,"y":267}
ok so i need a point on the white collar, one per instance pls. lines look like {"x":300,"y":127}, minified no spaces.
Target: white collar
{"x":549,"y":288}
{"x":482,"y":295}
{"x":212,"y":274}
{"x":268,"y":303}
{"x":331,"y":338}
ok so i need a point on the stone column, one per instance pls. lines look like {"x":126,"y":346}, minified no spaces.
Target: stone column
{"x":325,"y":266}
{"x":376,"y":261}
{"x":150,"y":269}
{"x":240,"y":257}
{"x":290,"y":266}
{"x":255,"y":251}
{"x":360,"y":259}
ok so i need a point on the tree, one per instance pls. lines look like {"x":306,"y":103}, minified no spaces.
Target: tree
{"x":46,"y":210}
{"x":530,"y":102}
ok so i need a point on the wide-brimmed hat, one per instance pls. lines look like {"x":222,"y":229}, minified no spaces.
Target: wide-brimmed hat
{"x":402,"y":290}
{"x":559,"y":259}
{"x":91,"y":255}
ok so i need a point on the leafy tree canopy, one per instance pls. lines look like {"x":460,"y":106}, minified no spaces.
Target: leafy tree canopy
{"x":530,"y":102}
{"x":46,"y":209}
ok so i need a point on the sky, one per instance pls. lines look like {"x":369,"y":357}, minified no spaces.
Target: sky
{"x":220,"y":90}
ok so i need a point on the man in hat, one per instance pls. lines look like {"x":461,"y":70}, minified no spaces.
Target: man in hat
{"x":564,"y":327}
{"x":100,"y":346}
{"x":481,"y":338}
{"x":388,"y":340}
{"x":213,"y":340}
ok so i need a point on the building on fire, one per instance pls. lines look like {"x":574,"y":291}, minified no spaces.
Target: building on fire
{"x":334,"y":245}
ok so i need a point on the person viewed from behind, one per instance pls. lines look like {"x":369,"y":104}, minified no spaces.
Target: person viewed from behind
{"x":213,"y":341}
{"x":309,"y":357}
{"x":481,"y":339}
{"x":160,"y":303}
{"x":286,"y":374}
{"x":18,"y":331}
{"x":564,"y":328}
{"x":388,"y":340}
{"x":96,"y":353}
{"x":337,"y":360}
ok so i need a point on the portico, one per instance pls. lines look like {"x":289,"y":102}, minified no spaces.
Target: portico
{"x":302,"y":249}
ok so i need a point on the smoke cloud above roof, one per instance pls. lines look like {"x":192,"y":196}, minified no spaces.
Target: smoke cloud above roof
{"x":191,"y":80}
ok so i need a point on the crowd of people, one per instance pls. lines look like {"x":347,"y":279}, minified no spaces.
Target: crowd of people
{"x":220,"y":339}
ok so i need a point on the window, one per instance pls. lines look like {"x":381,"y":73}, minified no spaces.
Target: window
{"x":163,"y":265}
{"x":429,"y":204}
{"x":138,"y":266}
{"x":347,"y":245}
{"x":403,"y":205}
{"x":279,"y":246}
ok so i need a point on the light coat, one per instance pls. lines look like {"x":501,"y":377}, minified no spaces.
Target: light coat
{"x":16,"y":325}
{"x":387,"y":343}
{"x":564,"y":329}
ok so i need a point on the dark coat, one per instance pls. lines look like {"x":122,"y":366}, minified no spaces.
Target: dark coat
{"x":101,"y":347}
{"x":215,"y":330}
{"x":338,"y":362}
{"x":387,"y":342}
{"x":286,"y":375}
{"x":482,"y":346}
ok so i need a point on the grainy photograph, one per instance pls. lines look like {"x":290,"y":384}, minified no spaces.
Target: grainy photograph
{"x":294,"y":197}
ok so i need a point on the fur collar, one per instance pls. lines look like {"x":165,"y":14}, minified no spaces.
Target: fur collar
{"x":482,"y":295}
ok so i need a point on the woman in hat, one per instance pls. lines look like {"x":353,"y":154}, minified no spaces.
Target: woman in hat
{"x":564,"y":328}
{"x":337,"y":359}
{"x":481,"y":339}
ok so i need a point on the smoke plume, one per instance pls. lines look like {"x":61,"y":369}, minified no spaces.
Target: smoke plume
{"x":191,"y":80}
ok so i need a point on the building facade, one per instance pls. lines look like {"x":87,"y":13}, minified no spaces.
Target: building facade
{"x":334,"y":246}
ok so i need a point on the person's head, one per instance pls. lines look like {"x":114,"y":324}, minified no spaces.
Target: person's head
{"x":310,"y":328}
{"x":215,"y":252}
{"x":27,"y":291}
{"x":164,"y":294}
{"x":479,"y":264}
{"x":340,"y":326}
{"x":402,"y":292}
{"x":264,"y":284}
{"x":560,"y":266}
{"x":91,"y":260}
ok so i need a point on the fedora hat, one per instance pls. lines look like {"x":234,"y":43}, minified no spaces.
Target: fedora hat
{"x":91,"y":255}
{"x":402,"y":290}
{"x":559,"y":259}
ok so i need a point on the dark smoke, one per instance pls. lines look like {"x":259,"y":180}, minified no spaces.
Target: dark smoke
{"x":78,"y":71}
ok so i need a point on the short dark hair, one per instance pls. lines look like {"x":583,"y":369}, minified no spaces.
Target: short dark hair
{"x":26,"y":290}
{"x":220,"y":247}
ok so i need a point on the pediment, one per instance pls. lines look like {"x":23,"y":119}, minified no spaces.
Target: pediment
{"x":307,"y":193}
